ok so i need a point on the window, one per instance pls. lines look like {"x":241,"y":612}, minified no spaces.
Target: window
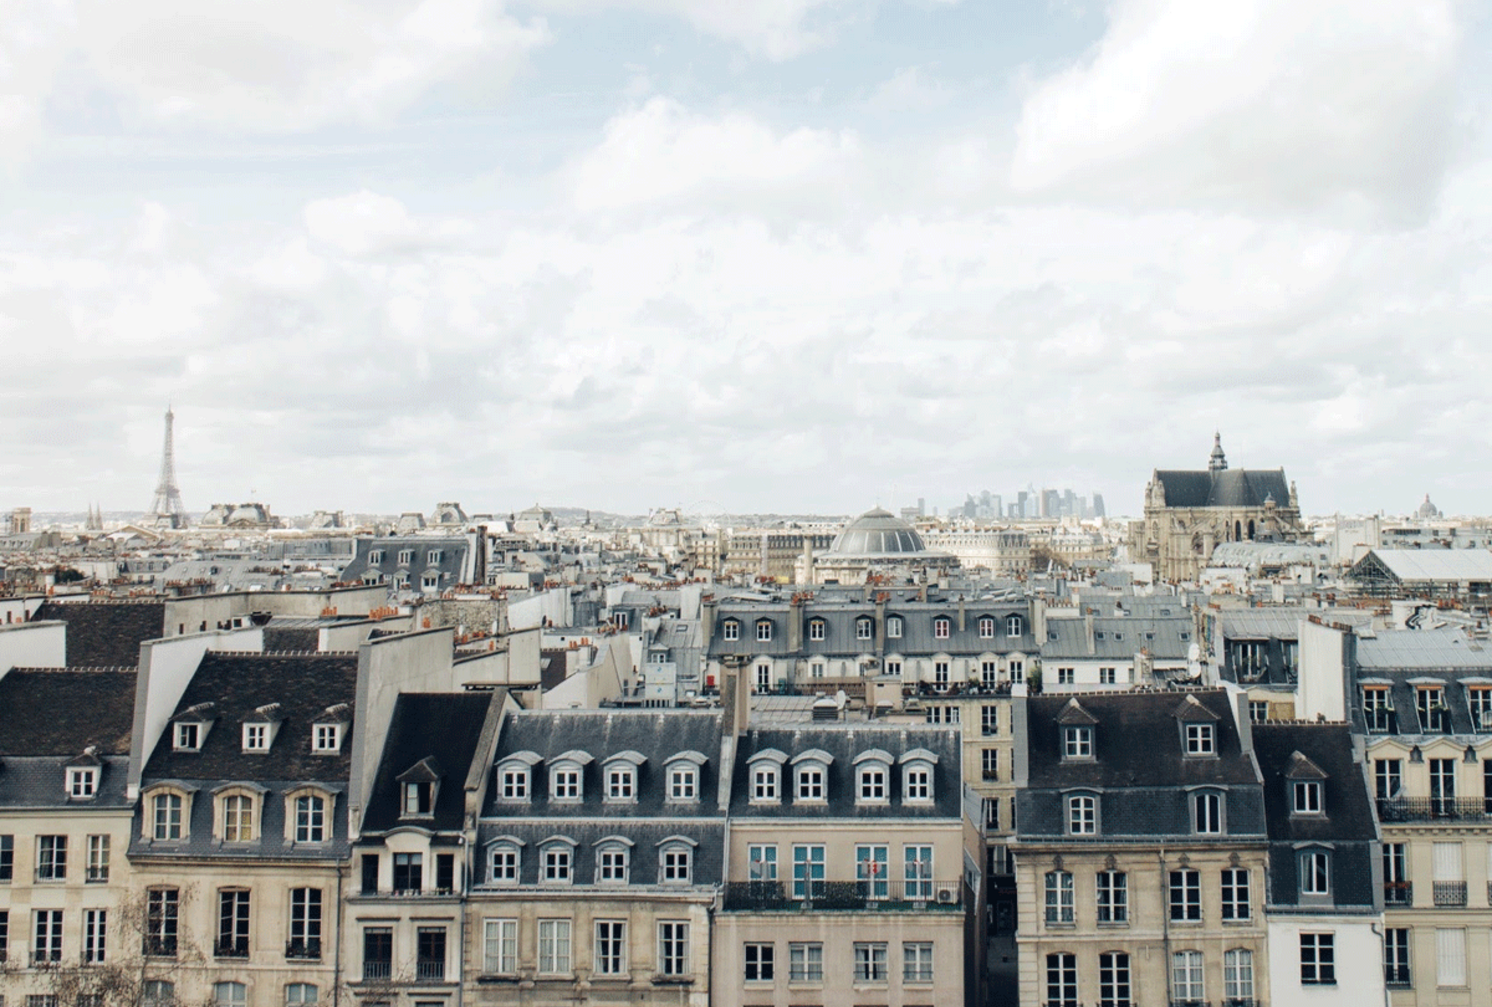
{"x":1480,"y":700}
{"x":760,"y":962}
{"x":864,"y":629}
{"x":1442,"y":786}
{"x":673,"y":948}
{"x":188,"y":737}
{"x":1430,"y":706}
{"x":621,"y":783}
{"x":370,"y":873}
{"x":893,"y":627}
{"x":1207,"y":812}
{"x":1186,"y":975}
{"x":499,"y":947}
{"x":611,"y":947}
{"x":1062,"y":980}
{"x":554,"y":947}
{"x":989,"y":721}
{"x":378,"y":953}
{"x":7,"y":857}
{"x":1065,"y":676}
{"x":893,"y":667}
{"x":1377,"y":710}
{"x":162,"y":906}
{"x":917,"y":872}
{"x":1059,"y":898}
{"x":305,"y":923}
{"x":730,"y":630}
{"x":256,"y":737}
{"x":675,"y":868}
{"x":1315,"y":873}
{"x":870,"y":871}
{"x":233,"y":923}
{"x":611,"y":866}
{"x":82,"y":784}
{"x":986,"y":628}
{"x":301,"y":994}
{"x":564,"y":784}
{"x":238,"y":819}
{"x":1258,"y":711}
{"x":51,"y":858}
{"x":940,"y":674}
{"x":870,"y":961}
{"x":918,"y":784}
{"x":816,"y":669}
{"x":514,"y":783}
{"x":683,"y":783}
{"x":1199,"y":739}
{"x":941,"y":627}
{"x":1113,"y":897}
{"x":1235,"y":893}
{"x":761,"y":863}
{"x":505,"y":864}
{"x":1238,"y":975}
{"x":808,"y":872}
{"x":95,"y":935}
{"x":916,"y":962}
{"x":816,"y":629}
{"x":158,"y":993}
{"x":430,"y":953}
{"x":873,"y":784}
{"x":97,"y":868}
{"x":1396,"y":891}
{"x":1186,"y":895}
{"x":810,"y":784}
{"x":763,"y":677}
{"x":989,"y":763}
{"x":326,"y":738}
{"x":764,"y":783}
{"x":989,"y":674}
{"x":1113,"y":979}
{"x":229,"y":994}
{"x":763,"y":631}
{"x":1318,"y":960}
{"x":805,"y":962}
{"x":406,"y":557}
{"x":1107,"y":676}
{"x":4,"y":934}
{"x":1082,"y":816}
{"x":1396,"y":956}
{"x":1307,"y":794}
{"x":418,"y":799}
{"x":1387,"y":778}
{"x":1077,"y":743}
{"x":47,"y":945}
{"x":310,"y":819}
{"x":557,"y":864}
{"x":409,"y":870}
{"x":1014,"y":625}
{"x":941,"y":715}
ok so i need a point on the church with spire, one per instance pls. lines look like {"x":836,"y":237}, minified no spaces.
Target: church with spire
{"x":1190,"y":512}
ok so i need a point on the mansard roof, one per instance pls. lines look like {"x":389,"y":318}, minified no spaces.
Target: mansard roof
{"x":1226,"y":488}
{"x":106,"y":634}
{"x":431,"y":736}
{"x":62,"y":711}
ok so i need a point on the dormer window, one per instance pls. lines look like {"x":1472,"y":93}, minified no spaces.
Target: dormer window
{"x":188,"y":738}
{"x":893,"y":627}
{"x":1200,"y":740}
{"x":434,"y":557}
{"x":942,"y":626}
{"x":873,"y":777}
{"x":556,"y":860}
{"x":326,"y":739}
{"x":1014,"y":625}
{"x":82,"y":783}
{"x":765,"y":768}
{"x":406,"y":557}
{"x":811,"y":770}
{"x":504,"y":860}
{"x":676,"y":860}
{"x":238,"y":813}
{"x":763,"y":630}
{"x":1207,"y":812}
{"x":1307,"y":797}
{"x":917,"y":776}
{"x":613,"y":860}
{"x":683,"y":777}
{"x":375,"y":557}
{"x":730,"y":629}
{"x":417,"y":799}
{"x":419,"y":788}
{"x":620,"y":773}
{"x":864,"y":629}
{"x":1082,"y":815}
{"x":986,"y":628}
{"x":816,"y":629}
{"x":1077,"y":742}
{"x":565,"y":782}
{"x":256,"y":737}
{"x":515,"y":776}
{"x":1479,"y":699}
{"x":1430,"y":704}
{"x":810,"y":783}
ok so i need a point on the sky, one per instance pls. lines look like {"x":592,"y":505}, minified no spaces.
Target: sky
{"x":746,"y":256}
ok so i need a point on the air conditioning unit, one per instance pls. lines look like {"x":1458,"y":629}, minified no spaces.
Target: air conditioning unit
{"x":945,"y":895}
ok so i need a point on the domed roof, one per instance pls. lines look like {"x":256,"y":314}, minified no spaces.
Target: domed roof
{"x":1427,"y":509}
{"x":877,"y":533}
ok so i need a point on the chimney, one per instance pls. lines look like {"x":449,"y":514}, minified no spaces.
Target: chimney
{"x":795,"y":624}
{"x":881,"y":597}
{"x":1088,"y":631}
{"x":735,"y":696}
{"x":960,"y":613}
{"x":707,"y":612}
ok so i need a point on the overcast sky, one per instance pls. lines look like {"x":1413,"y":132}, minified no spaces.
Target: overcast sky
{"x":792,"y":255}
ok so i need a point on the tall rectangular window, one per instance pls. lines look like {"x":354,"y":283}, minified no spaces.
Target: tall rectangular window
{"x":1430,"y":706}
{"x":1207,"y":812}
{"x":51,"y":858}
{"x":499,"y":947}
{"x":1235,"y":893}
{"x":761,"y":862}
{"x":1396,"y":890}
{"x":310,"y":819}
{"x":408,"y":872}
{"x":165,"y":811}
{"x":7,"y":857}
{"x":989,"y":721}
{"x":554,"y":947}
{"x":378,"y":953}
{"x":611,"y":947}
{"x":808,"y":872}
{"x":47,"y":943}
{"x":1113,"y":979}
{"x":305,"y":923}
{"x":1377,"y":709}
{"x":870,"y":961}
{"x":1059,"y":897}
{"x":760,"y":962}
{"x":917,"y":962}
{"x":1186,"y":895}
{"x":1396,"y":956}
{"x":805,"y":962}
{"x":871,"y":871}
{"x":1315,"y":873}
{"x":1062,"y":980}
{"x":1186,"y":975}
{"x":162,"y":906}
{"x":917,"y":872}
{"x":233,"y":923}
{"x":1442,"y":786}
{"x":430,"y":954}
{"x":1388,"y":778}
{"x":1113,"y":897}
{"x":673,"y":948}
{"x":1238,"y":974}
{"x":95,"y":935}
{"x":1318,"y":959}
{"x":98,"y":860}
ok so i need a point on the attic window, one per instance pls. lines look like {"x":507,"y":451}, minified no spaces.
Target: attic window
{"x":893,"y":627}
{"x":418,"y":798}
{"x":375,"y":557}
{"x":82,"y":783}
{"x":730,"y":630}
{"x":188,"y":738}
{"x":256,"y":737}
{"x":326,"y":739}
{"x":1200,"y":740}
{"x":1077,"y":743}
{"x":816,"y":629}
{"x":1307,"y":797}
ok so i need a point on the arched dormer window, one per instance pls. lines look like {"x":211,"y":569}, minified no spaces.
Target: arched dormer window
{"x":811,"y":776}
{"x":682,"y":772}
{"x":1082,"y":813}
{"x":557,"y":861}
{"x":168,"y":812}
{"x":917,"y":767}
{"x":236,"y":811}
{"x":893,"y":627}
{"x":730,"y":630}
{"x":765,"y":771}
{"x":676,"y":860}
{"x":986,"y":627}
{"x":308,"y":815}
{"x":873,"y":777}
{"x":613,"y":860}
{"x":620,"y":773}
{"x":419,"y":788}
{"x":504,"y":860}
{"x":942,"y":627}
{"x":515,"y":777}
{"x":566,"y":777}
{"x":1014,"y":625}
{"x":817,"y":629}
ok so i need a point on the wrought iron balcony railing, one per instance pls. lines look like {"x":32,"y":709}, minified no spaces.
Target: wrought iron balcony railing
{"x":1433,"y":809}
{"x":1450,"y":893}
{"x":1398,"y":893}
{"x":231,"y":947}
{"x":828,"y":896}
{"x":309,"y":948}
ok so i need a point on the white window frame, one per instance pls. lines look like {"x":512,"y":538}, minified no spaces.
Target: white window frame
{"x":1315,"y":872}
{"x":565,"y":784}
{"x":256,"y":737}
{"x":942,"y":628}
{"x":763,"y":631}
{"x":187,"y":736}
{"x":1077,"y":742}
{"x":815,"y":629}
{"x":1305,"y":797}
{"x":809,"y":784}
{"x":557,"y":863}
{"x":673,"y":948}
{"x":730,"y":630}
{"x":986,"y":627}
{"x":82,"y":783}
{"x":1207,"y":813}
{"x":1201,"y":739}
{"x":1188,"y":976}
{"x":505,"y":863}
{"x":556,"y":947}
{"x":613,"y":864}
{"x":499,"y":946}
{"x":1082,"y":815}
{"x":326,"y":739}
{"x":610,"y":947}
{"x":676,"y":864}
{"x":893,"y":627}
{"x":865,"y":629}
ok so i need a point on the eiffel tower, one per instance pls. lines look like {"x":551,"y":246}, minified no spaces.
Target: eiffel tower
{"x":167,"y":510}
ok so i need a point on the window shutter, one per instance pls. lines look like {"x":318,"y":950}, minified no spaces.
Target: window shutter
{"x":1448,"y":862}
{"x":1450,"y":957}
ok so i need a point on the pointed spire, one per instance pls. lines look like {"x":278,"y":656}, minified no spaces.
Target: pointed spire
{"x":1218,"y":461}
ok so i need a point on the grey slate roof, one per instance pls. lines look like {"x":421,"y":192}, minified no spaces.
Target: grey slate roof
{"x":844,"y":742}
{"x":1226,"y":488}
{"x":1118,"y":638}
{"x":443,"y":726}
{"x":840,"y":635}
{"x":60,"y":712}
{"x":707,"y":835}
{"x":106,"y":634}
{"x":40,"y":782}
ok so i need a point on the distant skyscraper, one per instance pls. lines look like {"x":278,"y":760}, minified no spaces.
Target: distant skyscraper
{"x":1098,"y":505}
{"x":167,"y":510}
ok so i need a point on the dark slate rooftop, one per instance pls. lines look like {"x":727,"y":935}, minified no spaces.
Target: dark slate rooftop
{"x":844,"y":742}
{"x":1117,"y":638}
{"x":1348,"y":812}
{"x":62,"y":711}
{"x":655,"y":735}
{"x":708,"y":836}
{"x":841,"y":640}
{"x":444,"y":727}
{"x":41,"y":782}
{"x":106,"y":634}
{"x":1225,"y":488}
{"x":238,"y":684}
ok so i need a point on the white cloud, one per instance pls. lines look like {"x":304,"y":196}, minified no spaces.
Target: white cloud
{"x":661,"y":152}
{"x":911,"y":88}
{"x":1343,"y":105}
{"x":366,"y":223}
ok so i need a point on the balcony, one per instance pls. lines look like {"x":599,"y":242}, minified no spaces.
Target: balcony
{"x":160,"y":946}
{"x":1398,"y":893}
{"x":231,"y":947}
{"x":1434,"y":809}
{"x":1397,"y":975}
{"x":1450,"y":893}
{"x":374,"y":971}
{"x":308,"y":948}
{"x":844,"y":896}
{"x":428,"y":971}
